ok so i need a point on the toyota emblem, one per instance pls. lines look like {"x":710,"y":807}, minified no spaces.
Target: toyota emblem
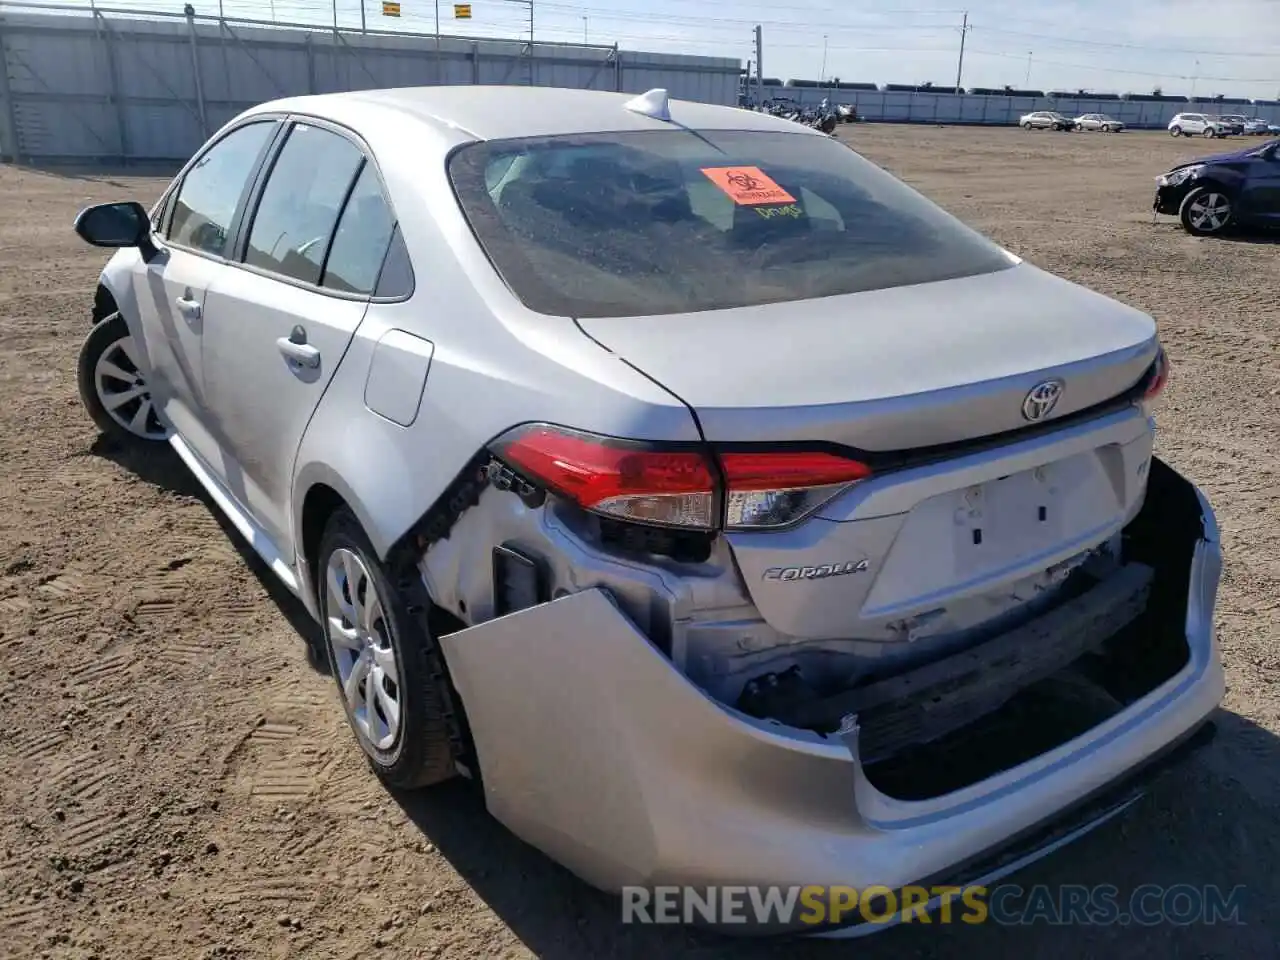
{"x":1041,"y":399}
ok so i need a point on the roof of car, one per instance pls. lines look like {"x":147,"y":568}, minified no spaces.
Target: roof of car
{"x":502,"y":112}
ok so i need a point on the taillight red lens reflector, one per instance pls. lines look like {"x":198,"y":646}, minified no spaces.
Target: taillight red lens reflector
{"x":626,"y":479}
{"x":785,"y":470}
{"x":1158,"y":379}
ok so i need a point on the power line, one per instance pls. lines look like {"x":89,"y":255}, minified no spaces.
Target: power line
{"x":1136,"y":73}
{"x":1058,"y":38}
{"x":918,"y":31}
{"x":614,"y":14}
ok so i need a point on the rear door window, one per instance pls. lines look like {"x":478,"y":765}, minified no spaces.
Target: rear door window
{"x":363,"y":234}
{"x":301,"y":202}
{"x":674,"y":221}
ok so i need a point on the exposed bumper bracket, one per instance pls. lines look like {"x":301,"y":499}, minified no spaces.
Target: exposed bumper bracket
{"x":938,"y":697}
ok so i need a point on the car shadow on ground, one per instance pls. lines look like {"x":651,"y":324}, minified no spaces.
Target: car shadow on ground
{"x":1175,"y":835}
{"x":1253,"y":236}
{"x":159,"y":465}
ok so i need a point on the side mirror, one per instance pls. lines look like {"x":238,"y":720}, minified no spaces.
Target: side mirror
{"x":121,"y":224}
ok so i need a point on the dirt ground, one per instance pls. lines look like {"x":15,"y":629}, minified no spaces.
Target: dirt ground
{"x":176,"y":780}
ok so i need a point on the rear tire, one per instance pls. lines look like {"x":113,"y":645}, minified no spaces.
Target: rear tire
{"x":401,"y":723}
{"x":1106,"y":128}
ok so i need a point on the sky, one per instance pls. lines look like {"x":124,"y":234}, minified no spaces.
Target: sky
{"x":1229,"y":47}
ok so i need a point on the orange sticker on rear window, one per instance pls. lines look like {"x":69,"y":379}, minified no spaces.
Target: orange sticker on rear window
{"x":749,"y":186}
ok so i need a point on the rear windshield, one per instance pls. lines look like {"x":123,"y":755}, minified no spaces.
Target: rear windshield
{"x":672,"y":221}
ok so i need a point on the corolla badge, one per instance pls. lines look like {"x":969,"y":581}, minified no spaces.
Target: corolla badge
{"x":1042,"y":398}
{"x":819,"y":572}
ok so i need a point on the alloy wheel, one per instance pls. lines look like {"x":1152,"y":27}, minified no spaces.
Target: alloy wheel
{"x":359,"y":635}
{"x":123,"y":391}
{"x":1209,"y":212}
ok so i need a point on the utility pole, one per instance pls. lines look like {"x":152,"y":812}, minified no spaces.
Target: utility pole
{"x":529,"y":3}
{"x":759,"y":64}
{"x":823,"y":79}
{"x":1027,"y":83}
{"x":964,"y":29}
{"x":584,"y":30}
{"x":439,"y":76}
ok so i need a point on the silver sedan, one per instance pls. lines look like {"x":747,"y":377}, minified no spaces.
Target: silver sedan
{"x":732,"y":512}
{"x":1098,"y":122}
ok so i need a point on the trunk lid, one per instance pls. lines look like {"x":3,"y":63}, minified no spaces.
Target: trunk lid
{"x":892,"y":369}
{"x":937,"y":550}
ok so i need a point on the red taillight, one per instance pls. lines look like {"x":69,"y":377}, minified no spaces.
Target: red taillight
{"x":624,"y":479}
{"x":775,"y":488}
{"x":1157,"y":377}
{"x":647,"y":483}
{"x":786,"y":470}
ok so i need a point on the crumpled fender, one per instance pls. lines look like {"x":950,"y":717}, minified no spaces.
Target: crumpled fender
{"x":621,"y":805}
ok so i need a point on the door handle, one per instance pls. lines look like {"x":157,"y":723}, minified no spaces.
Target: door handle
{"x":303,"y":354}
{"x":189,"y":308}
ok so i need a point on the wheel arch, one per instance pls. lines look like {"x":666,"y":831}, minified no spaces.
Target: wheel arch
{"x":319,"y":504}
{"x":104,"y":303}
{"x":1219,"y":181}
{"x":319,"y":492}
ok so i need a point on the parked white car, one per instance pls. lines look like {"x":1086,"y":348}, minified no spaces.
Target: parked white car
{"x":1197,"y":124}
{"x":1098,"y":121}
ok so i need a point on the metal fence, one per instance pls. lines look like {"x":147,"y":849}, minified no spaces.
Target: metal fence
{"x":118,"y":86}
{"x":916,"y":107}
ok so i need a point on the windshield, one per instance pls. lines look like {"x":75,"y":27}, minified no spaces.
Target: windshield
{"x":673,"y":221}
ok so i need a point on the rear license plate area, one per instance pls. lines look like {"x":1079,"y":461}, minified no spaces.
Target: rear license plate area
{"x":1003,"y":520}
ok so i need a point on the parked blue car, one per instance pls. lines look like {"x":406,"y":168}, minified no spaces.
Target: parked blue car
{"x":1229,"y":189}
{"x":1257,"y":127}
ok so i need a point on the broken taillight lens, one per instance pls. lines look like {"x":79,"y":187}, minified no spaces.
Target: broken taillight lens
{"x":678,"y":486}
{"x":775,"y":488}
{"x":619,"y":478}
{"x":1156,"y":380}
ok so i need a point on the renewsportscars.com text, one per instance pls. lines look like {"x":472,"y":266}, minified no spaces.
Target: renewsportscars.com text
{"x":1006,"y":904}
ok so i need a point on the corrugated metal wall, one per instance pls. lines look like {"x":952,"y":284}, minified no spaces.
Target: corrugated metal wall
{"x":110,"y":87}
{"x":910,"y":107}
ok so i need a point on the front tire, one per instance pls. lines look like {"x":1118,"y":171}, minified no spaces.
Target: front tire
{"x":113,"y":388}
{"x":1106,"y":128}
{"x":1027,"y":125}
{"x":1209,"y":133}
{"x":1175,"y":131}
{"x":1206,"y":211}
{"x":391,"y":676}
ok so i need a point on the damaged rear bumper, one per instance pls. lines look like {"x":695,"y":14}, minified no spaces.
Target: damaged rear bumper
{"x":596,"y":750}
